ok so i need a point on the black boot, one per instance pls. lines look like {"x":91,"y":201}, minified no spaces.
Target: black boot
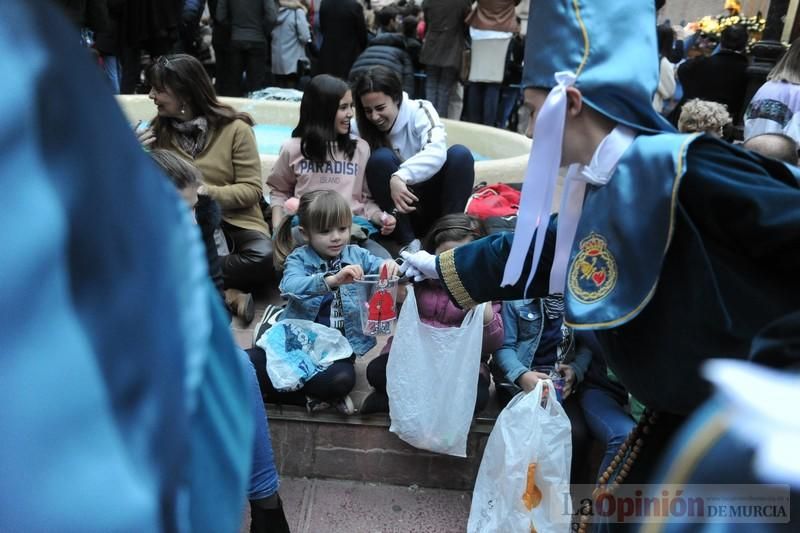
{"x":376,"y":402}
{"x":267,"y":516}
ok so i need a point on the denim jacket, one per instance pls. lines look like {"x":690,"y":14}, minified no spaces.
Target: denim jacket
{"x":523,"y":322}
{"x":304,"y":287}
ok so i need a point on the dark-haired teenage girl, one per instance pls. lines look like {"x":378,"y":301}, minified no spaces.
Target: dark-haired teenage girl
{"x":411,"y":169}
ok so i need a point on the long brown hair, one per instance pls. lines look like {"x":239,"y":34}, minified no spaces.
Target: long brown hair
{"x":453,"y":227}
{"x":316,"y":128}
{"x":186,"y":78}
{"x":318,"y":210}
{"x":788,"y":67}
{"x":375,"y":80}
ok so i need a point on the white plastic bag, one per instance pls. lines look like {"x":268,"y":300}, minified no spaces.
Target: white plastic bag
{"x":525,"y":434}
{"x":297,"y":350}
{"x":432,"y":380}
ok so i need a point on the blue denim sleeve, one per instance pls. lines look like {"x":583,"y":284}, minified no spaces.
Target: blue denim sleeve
{"x":369,"y":262}
{"x":507,"y":354}
{"x":296,"y":283}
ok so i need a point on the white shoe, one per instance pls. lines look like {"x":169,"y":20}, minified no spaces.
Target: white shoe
{"x":345,"y":406}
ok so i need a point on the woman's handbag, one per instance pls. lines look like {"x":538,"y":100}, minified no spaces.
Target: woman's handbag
{"x":523,"y":480}
{"x":466,"y":63}
{"x":431,"y":379}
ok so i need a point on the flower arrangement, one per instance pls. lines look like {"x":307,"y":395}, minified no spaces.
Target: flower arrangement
{"x":711,"y":27}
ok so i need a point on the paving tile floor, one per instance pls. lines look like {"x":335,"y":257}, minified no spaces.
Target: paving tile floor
{"x":330,"y":506}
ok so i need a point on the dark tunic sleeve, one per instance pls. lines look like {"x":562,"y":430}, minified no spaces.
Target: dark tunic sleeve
{"x":472,"y":273}
{"x":750,"y":206}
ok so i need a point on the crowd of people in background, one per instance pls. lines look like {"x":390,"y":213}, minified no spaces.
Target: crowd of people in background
{"x":465,"y":57}
{"x":707,"y":85}
{"x":441,"y":49}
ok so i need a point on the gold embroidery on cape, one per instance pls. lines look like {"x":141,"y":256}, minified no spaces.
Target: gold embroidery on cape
{"x":695,"y":450}
{"x":683,"y":150}
{"x":593,"y":272}
{"x":451,"y":279}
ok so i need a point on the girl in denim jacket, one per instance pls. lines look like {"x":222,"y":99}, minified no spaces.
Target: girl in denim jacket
{"x":317,"y":282}
{"x":535,"y":336}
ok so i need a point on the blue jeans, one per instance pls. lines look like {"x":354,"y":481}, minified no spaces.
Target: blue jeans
{"x":263,"y":475}
{"x":439,"y":82}
{"x":509,"y":97}
{"x":607,"y":421}
{"x":444,"y":193}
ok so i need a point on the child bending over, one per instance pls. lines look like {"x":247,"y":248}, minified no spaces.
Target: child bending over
{"x":436,"y":309}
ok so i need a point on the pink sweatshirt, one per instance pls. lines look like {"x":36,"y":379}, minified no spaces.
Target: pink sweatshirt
{"x":294,"y":175}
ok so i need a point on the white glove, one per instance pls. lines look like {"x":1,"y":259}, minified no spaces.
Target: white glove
{"x":419,"y":266}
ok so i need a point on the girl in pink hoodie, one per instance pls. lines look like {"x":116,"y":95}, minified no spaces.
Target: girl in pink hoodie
{"x":323,"y":155}
{"x":436,"y":309}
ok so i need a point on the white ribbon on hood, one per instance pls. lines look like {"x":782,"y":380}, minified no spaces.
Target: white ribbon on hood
{"x":540,"y":181}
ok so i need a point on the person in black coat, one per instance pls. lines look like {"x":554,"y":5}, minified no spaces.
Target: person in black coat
{"x":388,"y":50}
{"x":145,"y":25}
{"x":344,"y":36}
{"x":720,"y":77}
{"x":100,"y":17}
{"x":413,"y":45}
{"x":91,"y":14}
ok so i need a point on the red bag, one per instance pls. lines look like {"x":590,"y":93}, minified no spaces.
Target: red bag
{"x":496,"y":200}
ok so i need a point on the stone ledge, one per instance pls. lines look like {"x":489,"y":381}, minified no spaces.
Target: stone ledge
{"x":481,"y":424}
{"x":345,"y":449}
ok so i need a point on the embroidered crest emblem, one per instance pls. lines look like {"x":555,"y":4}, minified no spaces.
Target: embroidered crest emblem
{"x":593,"y":273}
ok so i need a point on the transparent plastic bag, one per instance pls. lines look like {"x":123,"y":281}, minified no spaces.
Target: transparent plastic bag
{"x":431,"y":380}
{"x":376,"y":297}
{"x":297,"y":350}
{"x":523,"y":480}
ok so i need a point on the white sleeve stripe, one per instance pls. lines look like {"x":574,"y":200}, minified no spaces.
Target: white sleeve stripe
{"x":430,"y":119}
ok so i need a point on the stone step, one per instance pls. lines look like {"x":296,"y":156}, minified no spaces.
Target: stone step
{"x":361,"y":448}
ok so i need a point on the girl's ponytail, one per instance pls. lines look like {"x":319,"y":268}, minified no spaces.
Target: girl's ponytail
{"x":282,"y":243}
